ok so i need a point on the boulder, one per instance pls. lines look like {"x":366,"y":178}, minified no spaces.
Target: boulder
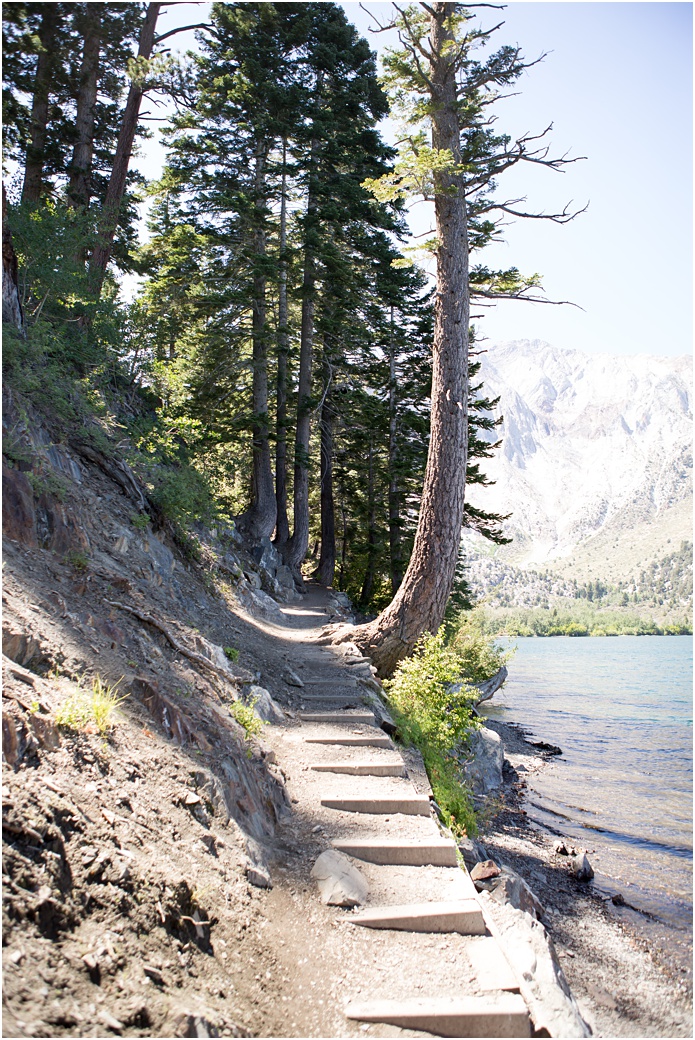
{"x":511,"y":889}
{"x":266,"y":557}
{"x":483,"y":763}
{"x":340,"y":883}
{"x":472,"y":851}
{"x":256,"y":867}
{"x":263,"y":704}
{"x":581,"y":868}
{"x":527,"y":946}
{"x":292,"y":679}
{"x":485,"y":870}
{"x":263,"y":604}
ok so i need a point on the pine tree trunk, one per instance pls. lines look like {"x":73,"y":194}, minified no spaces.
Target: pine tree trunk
{"x":295,"y":551}
{"x":326,"y":568}
{"x":80,"y":183}
{"x":260,"y":518}
{"x":395,"y":532}
{"x":11,"y":304}
{"x":119,"y":171}
{"x":420,"y":602}
{"x":33,"y":172}
{"x":368,"y":582}
{"x":282,"y":529}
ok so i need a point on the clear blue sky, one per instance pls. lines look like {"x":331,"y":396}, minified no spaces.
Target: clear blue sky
{"x":617,"y":86}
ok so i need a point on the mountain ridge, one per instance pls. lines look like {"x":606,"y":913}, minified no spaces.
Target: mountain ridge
{"x":594,"y":447}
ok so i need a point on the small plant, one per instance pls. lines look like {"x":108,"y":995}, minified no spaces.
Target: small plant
{"x":141,"y":521}
{"x":231,"y":653}
{"x":48,"y":483}
{"x":91,"y":710}
{"x":246,"y":717}
{"x":78,"y":561}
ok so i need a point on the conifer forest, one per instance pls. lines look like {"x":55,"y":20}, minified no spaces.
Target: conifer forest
{"x":290,"y":360}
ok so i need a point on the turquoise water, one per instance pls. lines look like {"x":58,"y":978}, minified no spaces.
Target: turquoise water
{"x":621,"y":710}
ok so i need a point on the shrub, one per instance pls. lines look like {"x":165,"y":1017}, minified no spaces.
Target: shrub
{"x":91,"y":710}
{"x":436,"y":721}
{"x":231,"y":653}
{"x":479,"y":655}
{"x":246,"y":717}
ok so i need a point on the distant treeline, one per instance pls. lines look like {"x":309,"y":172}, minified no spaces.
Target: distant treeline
{"x":579,"y":620}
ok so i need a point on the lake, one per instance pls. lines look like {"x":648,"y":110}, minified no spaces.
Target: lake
{"x":621,"y":710}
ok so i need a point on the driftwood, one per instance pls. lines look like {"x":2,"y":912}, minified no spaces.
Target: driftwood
{"x":491,"y":686}
{"x":179,"y":647}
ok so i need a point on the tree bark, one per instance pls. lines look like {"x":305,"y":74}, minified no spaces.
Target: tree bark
{"x":260,"y":518}
{"x":368,"y":582}
{"x":80,"y":170}
{"x":296,"y":548}
{"x":420,"y":602}
{"x":282,"y":529}
{"x":395,"y":531}
{"x":325,"y":571}
{"x":119,"y":170}
{"x":11,"y":304}
{"x":33,"y":171}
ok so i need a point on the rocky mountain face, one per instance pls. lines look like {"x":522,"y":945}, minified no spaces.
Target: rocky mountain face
{"x":594,"y":448}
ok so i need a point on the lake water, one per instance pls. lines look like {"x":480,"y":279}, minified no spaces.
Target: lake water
{"x":621,"y":710}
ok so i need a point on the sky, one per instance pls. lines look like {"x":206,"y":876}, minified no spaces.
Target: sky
{"x":616,"y":84}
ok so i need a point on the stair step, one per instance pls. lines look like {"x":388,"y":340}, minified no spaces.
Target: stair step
{"x":491,"y":967}
{"x":437,"y":852}
{"x":463,"y":916}
{"x":362,"y":768}
{"x":365,"y":741}
{"x":359,"y":718}
{"x":414,"y":805}
{"x":505,"y":1016}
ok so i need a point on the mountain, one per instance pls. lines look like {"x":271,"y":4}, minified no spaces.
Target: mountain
{"x":596,"y":461}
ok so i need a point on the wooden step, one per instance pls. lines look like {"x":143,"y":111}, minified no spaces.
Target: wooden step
{"x":491,"y":967}
{"x":437,"y":852}
{"x":365,"y":741}
{"x":362,"y":768}
{"x":463,"y":916}
{"x":357,"y":718}
{"x":413,"y":805}
{"x":504,"y":1016}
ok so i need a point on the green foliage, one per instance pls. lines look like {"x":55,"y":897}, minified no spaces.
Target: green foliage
{"x":140,"y":521}
{"x":480,"y":656}
{"x":93,"y":710}
{"x":246,"y":717}
{"x":435,"y":720}
{"x":48,"y":483}
{"x":576,"y":619}
{"x":231,"y":653}
{"x":78,"y":560}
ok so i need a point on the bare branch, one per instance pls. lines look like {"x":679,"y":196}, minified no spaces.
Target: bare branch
{"x":380,"y":27}
{"x":482,"y":294}
{"x":184,"y":28}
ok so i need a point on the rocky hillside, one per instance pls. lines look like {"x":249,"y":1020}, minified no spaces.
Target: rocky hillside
{"x":593,"y":447}
{"x":139,"y":800}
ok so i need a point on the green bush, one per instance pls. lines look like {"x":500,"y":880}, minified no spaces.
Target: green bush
{"x":436,"y":721}
{"x":480,"y":656}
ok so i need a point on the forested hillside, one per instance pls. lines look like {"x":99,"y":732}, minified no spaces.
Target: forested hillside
{"x":275,"y":366}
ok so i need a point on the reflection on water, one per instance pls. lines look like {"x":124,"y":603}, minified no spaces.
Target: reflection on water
{"x":621,"y":710}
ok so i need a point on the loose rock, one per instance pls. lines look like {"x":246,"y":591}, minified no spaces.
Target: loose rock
{"x":339,"y":882}
{"x":581,"y":868}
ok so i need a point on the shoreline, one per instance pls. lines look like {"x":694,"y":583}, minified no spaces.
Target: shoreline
{"x":626,"y":983}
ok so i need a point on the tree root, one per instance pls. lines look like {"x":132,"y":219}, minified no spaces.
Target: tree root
{"x":179,"y":647}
